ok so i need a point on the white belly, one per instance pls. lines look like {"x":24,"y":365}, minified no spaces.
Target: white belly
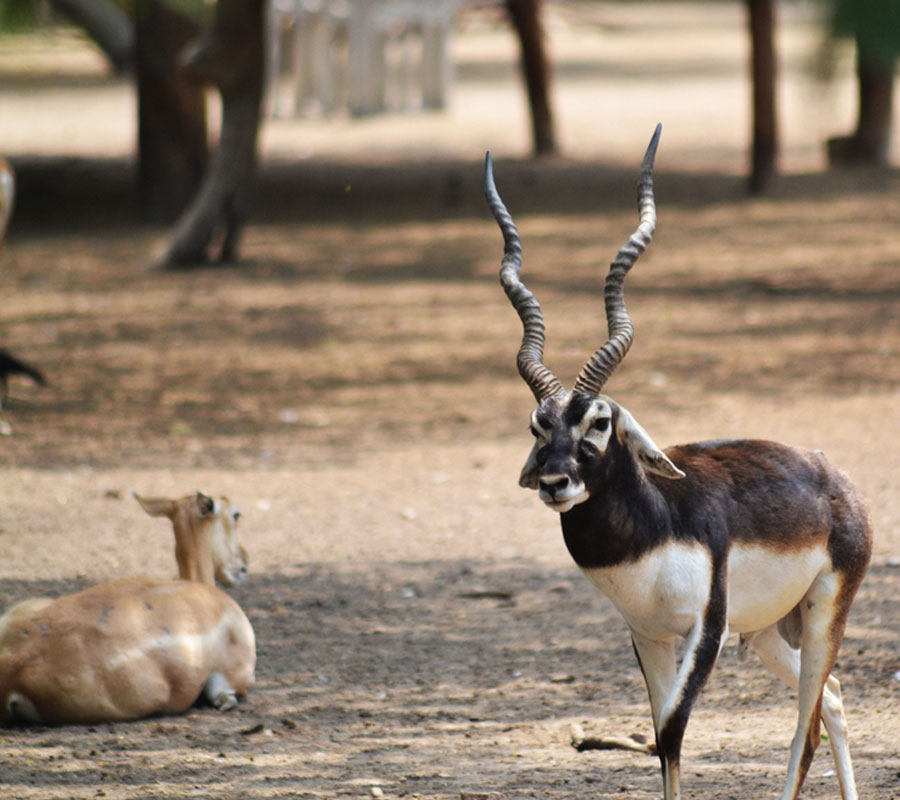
{"x":765,"y":584}
{"x":662,"y":595}
{"x":665,"y":593}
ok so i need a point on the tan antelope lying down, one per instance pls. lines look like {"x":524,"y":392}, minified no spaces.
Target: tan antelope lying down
{"x":766,"y":540}
{"x":135,"y":647}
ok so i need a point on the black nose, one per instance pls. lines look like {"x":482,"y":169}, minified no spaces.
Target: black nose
{"x":553,"y":484}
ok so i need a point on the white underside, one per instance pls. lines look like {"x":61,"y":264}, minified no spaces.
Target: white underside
{"x":664,"y":593}
{"x":764,"y":585}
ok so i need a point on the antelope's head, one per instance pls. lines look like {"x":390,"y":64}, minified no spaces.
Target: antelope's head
{"x":579,"y":433}
{"x":206,"y":541}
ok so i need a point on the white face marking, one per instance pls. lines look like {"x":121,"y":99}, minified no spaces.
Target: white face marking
{"x":228,"y":555}
{"x":595,"y":426}
{"x":558,"y":480}
{"x":765,"y":584}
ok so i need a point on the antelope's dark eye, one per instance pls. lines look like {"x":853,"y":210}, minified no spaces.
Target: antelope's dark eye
{"x":588,"y":449}
{"x":534,"y":431}
{"x":600,"y":424}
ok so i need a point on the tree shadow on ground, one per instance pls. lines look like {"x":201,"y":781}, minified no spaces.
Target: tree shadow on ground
{"x":62,"y":194}
{"x":432,"y":677}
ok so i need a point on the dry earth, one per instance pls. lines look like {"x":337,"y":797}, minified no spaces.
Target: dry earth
{"x":351,"y":385}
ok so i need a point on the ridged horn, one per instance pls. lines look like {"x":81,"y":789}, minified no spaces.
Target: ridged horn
{"x":542,"y":382}
{"x":621,"y":331}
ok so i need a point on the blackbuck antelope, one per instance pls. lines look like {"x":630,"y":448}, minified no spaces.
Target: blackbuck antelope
{"x":759,"y":538}
{"x":136,"y":647}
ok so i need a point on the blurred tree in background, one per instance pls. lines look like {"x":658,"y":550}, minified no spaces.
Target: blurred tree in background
{"x":176,"y":50}
{"x":875,"y":27}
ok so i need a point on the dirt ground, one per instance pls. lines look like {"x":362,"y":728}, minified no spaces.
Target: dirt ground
{"x":421,"y":630}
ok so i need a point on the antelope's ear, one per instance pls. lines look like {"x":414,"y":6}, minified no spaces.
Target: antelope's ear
{"x":528,"y":479}
{"x":206,"y":506}
{"x":156,"y":506}
{"x":645,"y":450}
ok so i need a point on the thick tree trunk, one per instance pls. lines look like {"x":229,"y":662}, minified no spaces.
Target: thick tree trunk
{"x":172,"y":133}
{"x":764,"y":148}
{"x":230,"y":57}
{"x":870,"y":142}
{"x":108,"y":26}
{"x":875,"y":27}
{"x":525,"y":17}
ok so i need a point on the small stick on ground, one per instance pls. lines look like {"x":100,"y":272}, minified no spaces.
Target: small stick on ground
{"x":582,"y":742}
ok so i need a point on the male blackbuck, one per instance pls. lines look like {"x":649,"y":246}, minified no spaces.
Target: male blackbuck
{"x":135,"y":647}
{"x":759,"y":538}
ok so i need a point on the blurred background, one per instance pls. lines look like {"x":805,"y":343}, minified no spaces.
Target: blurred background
{"x":249,"y":253}
{"x":322,"y":284}
{"x":612,"y":67}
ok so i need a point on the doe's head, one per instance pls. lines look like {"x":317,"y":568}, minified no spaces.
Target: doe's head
{"x":206,"y":540}
{"x":578,"y":433}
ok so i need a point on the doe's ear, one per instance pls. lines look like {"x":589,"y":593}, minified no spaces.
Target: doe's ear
{"x":157,"y":506}
{"x":645,"y":450}
{"x":205,"y":504}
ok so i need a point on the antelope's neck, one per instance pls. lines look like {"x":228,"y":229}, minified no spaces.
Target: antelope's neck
{"x":617,"y":524}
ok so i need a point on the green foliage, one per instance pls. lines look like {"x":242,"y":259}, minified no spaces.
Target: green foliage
{"x":875,"y":24}
{"x":17,"y":16}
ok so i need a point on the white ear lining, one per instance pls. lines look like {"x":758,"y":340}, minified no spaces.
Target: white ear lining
{"x":648,"y":454}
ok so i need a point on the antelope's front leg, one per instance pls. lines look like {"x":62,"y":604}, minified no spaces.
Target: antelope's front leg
{"x":672,"y":694}
{"x":657,"y":663}
{"x":219,"y":692}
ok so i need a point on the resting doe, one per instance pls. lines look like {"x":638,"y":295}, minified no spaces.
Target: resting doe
{"x":135,"y":647}
{"x":755,"y":537}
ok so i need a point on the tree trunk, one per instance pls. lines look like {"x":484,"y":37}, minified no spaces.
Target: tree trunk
{"x":525,"y":17}
{"x":870,"y":142}
{"x":107,"y":26}
{"x":230,"y":57}
{"x":875,"y":27}
{"x":764,"y":149}
{"x":172,"y":133}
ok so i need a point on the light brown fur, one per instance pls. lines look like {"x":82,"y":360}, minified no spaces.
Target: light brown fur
{"x":135,"y":647}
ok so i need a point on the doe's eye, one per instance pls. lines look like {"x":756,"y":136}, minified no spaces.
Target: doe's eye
{"x":600,"y":424}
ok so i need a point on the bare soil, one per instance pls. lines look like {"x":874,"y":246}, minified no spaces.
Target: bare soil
{"x":351,"y":384}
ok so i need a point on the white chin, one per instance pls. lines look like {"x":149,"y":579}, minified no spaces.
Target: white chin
{"x":561,"y":506}
{"x":227,"y":580}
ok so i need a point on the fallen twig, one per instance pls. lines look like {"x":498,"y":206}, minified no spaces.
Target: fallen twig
{"x":634,"y":742}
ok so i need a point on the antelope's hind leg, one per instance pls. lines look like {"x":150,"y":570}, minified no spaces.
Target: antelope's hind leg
{"x":783,"y":661}
{"x":823,"y":613}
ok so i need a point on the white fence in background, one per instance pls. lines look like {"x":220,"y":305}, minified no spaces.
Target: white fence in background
{"x":358,"y":56}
